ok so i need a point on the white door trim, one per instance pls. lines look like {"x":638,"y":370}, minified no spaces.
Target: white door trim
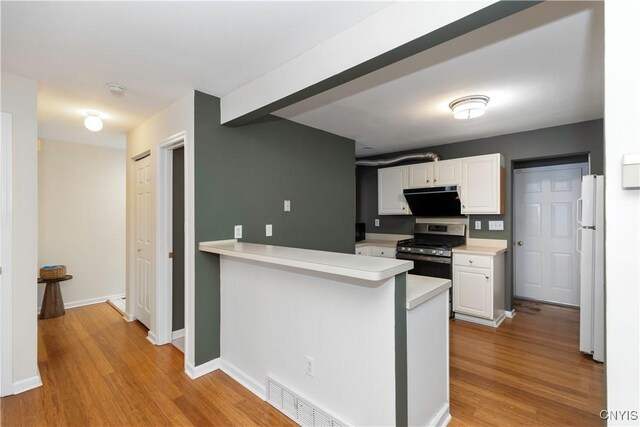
{"x":164,"y":239}
{"x":6,"y":323}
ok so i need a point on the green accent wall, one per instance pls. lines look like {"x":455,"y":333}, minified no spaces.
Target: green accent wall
{"x":177,"y":301}
{"x":242,"y":177}
{"x":577,"y":138}
{"x":402,"y":383}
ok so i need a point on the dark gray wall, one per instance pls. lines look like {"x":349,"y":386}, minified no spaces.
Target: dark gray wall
{"x":577,"y":138}
{"x":177,"y":301}
{"x":243,"y":175}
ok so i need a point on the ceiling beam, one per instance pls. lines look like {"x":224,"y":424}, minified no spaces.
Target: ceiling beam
{"x":396,"y":32}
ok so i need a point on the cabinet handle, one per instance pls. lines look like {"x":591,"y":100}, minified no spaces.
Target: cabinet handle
{"x":486,"y":277}
{"x":427,"y":180}
{"x":463,"y":206}
{"x":403,"y":208}
{"x":470,"y":262}
{"x":435,"y":180}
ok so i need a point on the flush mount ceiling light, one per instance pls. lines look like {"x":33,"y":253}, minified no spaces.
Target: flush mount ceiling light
{"x":469,"y":107}
{"x":93,"y":121}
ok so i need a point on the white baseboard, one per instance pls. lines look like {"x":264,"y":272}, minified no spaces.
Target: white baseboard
{"x":442,"y":418}
{"x":177,"y":334}
{"x":245,"y":380}
{"x":200,"y":370}
{"x":480,"y":321}
{"x":151,"y":337}
{"x":510,"y":313}
{"x":129,"y":317}
{"x":27,"y":384}
{"x":89,"y":301}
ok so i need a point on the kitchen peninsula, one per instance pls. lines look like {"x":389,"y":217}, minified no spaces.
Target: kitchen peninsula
{"x":348,"y":339}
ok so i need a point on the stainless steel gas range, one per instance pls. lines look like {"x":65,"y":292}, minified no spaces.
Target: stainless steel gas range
{"x":431,"y":251}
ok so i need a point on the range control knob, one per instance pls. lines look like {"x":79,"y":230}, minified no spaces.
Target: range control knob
{"x":440,"y":252}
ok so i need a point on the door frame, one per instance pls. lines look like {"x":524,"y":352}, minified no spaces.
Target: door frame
{"x":536,"y":163}
{"x":6,"y":295}
{"x":164,"y":244}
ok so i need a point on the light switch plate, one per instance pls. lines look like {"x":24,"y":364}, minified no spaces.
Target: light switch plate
{"x":237,"y":232}
{"x":496,"y":225}
{"x":287,"y":205}
{"x":478,"y":225}
{"x":268,"y":229}
{"x":377,"y":222}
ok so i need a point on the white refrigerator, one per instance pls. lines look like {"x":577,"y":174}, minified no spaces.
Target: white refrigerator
{"x":590,"y":246}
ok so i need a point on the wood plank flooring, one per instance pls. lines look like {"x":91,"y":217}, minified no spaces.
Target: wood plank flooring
{"x":99,"y":370}
{"x":527,"y":372}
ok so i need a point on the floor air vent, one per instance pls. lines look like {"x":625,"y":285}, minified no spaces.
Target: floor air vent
{"x":298,"y":409}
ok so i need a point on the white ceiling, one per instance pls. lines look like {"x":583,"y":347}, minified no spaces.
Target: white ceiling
{"x":159,"y":50}
{"x":541,"y":67}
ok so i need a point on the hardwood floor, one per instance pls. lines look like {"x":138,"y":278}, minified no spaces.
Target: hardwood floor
{"x":527,"y":372}
{"x":99,"y":370}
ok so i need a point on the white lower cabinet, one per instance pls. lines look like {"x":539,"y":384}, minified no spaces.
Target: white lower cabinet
{"x":379,"y":251}
{"x":478,"y":288}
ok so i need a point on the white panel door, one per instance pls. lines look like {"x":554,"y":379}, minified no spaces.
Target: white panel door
{"x":447,"y":172}
{"x":144,"y":241}
{"x":6,"y":376}
{"x":421,"y":175}
{"x":547,"y":265}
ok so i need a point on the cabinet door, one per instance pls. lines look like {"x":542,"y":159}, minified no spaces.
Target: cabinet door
{"x":472,"y":291}
{"x":447,"y":172}
{"x":421,"y":175}
{"x":482,"y":185}
{"x":391,"y":183}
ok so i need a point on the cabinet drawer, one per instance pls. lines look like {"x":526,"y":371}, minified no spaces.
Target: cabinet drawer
{"x":363,"y":250}
{"x":382,"y":251}
{"x":472,"y":260}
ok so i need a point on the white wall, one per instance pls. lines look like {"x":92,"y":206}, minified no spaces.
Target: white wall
{"x":81,"y":204}
{"x":19,"y":100}
{"x":622,"y":135}
{"x":176,"y":118}
{"x":273,"y":317}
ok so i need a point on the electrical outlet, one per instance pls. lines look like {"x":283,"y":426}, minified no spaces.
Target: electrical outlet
{"x":309,"y":367}
{"x":268,"y":229}
{"x":287,"y":205}
{"x":478,"y":225}
{"x":377,"y":222}
{"x":496,"y":225}
{"x":237,"y":232}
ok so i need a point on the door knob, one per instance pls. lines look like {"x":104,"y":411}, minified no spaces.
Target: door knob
{"x":519,"y":243}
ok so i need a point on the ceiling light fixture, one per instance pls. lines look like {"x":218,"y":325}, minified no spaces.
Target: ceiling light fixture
{"x":469,"y":107}
{"x":93,"y":122}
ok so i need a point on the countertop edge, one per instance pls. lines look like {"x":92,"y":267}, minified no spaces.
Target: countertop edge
{"x":386,"y":273}
{"x":478,"y":250}
{"x":430,"y":291}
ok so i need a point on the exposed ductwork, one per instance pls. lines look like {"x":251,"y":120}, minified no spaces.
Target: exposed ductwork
{"x":429,"y":156}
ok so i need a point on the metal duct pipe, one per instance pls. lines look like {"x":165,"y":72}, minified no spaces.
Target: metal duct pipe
{"x":429,"y":156}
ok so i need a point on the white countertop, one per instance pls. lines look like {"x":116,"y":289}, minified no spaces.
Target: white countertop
{"x":478,"y":250}
{"x":377,"y":242}
{"x":421,"y":289}
{"x":356,"y":266}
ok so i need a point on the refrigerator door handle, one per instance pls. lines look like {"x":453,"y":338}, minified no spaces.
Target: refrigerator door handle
{"x":579,"y":211}
{"x":579,"y":240}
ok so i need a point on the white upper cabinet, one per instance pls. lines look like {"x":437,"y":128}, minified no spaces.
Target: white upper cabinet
{"x":391,"y":184}
{"x":482,"y":187}
{"x":421,"y":175}
{"x":447,"y":172}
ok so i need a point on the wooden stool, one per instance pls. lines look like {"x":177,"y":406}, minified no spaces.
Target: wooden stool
{"x":52,"y":304}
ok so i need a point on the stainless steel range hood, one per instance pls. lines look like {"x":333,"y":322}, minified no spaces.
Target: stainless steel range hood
{"x":434,"y":201}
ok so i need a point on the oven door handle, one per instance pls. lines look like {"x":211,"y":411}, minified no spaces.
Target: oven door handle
{"x":412,"y":257}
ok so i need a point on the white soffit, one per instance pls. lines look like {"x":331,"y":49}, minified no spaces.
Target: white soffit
{"x":383,"y":31}
{"x":541,"y":67}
